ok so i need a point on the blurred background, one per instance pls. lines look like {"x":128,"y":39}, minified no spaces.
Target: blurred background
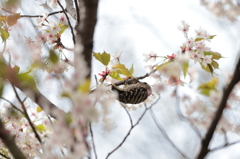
{"x":134,"y":27}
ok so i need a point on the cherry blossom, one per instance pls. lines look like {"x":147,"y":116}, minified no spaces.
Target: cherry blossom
{"x":184,"y":28}
{"x":150,"y":57}
{"x":206,"y":60}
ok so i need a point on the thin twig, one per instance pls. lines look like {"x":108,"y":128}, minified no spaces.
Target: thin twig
{"x":1,"y":154}
{"x":165,"y":134}
{"x":134,"y":79}
{"x":226,"y":92}
{"x":78,"y":12}
{"x":132,"y":126}
{"x":26,"y":115}
{"x":130,"y":118}
{"x":14,"y":106}
{"x":224,"y":146}
{"x":40,"y":16}
{"x":94,"y":148}
{"x":183,"y":118}
{"x":69,"y":23}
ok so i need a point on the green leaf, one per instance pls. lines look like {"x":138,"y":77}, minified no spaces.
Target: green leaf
{"x":185,"y":68}
{"x":215,"y":55}
{"x":68,"y":118}
{"x":39,"y":109}
{"x":208,"y":68}
{"x":63,"y":28}
{"x":212,"y":36}
{"x":115,"y":75}
{"x":215,"y":64}
{"x":53,"y":57}
{"x":159,"y":67}
{"x":27,"y":81}
{"x":85,"y":86}
{"x":41,"y":128}
{"x":12,"y":19}
{"x":132,"y":69}
{"x":205,"y":88}
{"x":4,"y":34}
{"x":104,"y":58}
{"x":122,"y":70}
{"x":3,"y":18}
{"x":1,"y":86}
{"x":199,"y":39}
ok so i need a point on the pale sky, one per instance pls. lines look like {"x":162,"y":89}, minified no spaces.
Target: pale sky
{"x":135,"y":27}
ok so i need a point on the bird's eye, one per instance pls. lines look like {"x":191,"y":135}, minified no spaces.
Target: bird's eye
{"x":144,"y":82}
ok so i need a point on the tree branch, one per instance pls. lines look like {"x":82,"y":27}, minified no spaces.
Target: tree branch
{"x":1,"y":154}
{"x":85,"y":31}
{"x":183,"y":118}
{"x":132,"y":126}
{"x":225,"y":145}
{"x":40,"y":16}
{"x":77,"y":11}
{"x":227,"y":90}
{"x":94,"y":148}
{"x":14,"y":106}
{"x":27,"y":116}
{"x":165,"y":134}
{"x":9,"y":142}
{"x":71,"y":28}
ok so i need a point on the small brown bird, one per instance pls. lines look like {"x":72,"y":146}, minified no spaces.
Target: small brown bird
{"x":133,"y":93}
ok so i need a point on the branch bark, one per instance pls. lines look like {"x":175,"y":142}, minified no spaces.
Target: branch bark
{"x":85,"y":31}
{"x":9,"y":142}
{"x":227,"y":90}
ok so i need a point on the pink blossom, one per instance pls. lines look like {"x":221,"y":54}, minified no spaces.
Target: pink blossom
{"x":62,"y":18}
{"x":51,"y":37}
{"x":116,"y":56}
{"x":184,"y":28}
{"x":196,"y":57}
{"x":158,"y":87}
{"x":54,"y":28}
{"x":150,"y":57}
{"x":53,"y":3}
{"x":41,"y":38}
{"x":171,"y":57}
{"x":206,"y":60}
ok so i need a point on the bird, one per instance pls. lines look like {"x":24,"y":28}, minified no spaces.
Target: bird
{"x":133,"y":93}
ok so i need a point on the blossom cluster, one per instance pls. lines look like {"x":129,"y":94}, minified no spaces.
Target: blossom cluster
{"x":223,"y":9}
{"x":50,"y":35}
{"x":18,"y":126}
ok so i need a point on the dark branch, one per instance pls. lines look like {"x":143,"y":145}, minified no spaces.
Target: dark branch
{"x":227,"y":90}
{"x":40,"y":16}
{"x":85,"y":31}
{"x":1,"y":154}
{"x":14,"y":106}
{"x":225,"y":146}
{"x":93,"y":143}
{"x":77,"y":11}
{"x":134,"y":79}
{"x":9,"y":142}
{"x":71,"y":28}
{"x":132,"y":126}
{"x":27,"y":116}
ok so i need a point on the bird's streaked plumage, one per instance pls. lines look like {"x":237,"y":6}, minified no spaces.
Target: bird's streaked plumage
{"x":133,"y":93}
